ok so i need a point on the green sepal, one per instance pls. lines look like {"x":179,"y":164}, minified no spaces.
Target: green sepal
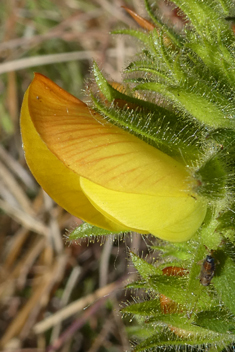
{"x":87,"y":230}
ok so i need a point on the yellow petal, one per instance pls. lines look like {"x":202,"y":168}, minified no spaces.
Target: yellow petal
{"x":168,"y":217}
{"x":62,"y":184}
{"x":103,"y":174}
{"x":97,"y":150}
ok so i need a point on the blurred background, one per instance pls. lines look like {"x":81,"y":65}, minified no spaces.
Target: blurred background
{"x":57,"y":295}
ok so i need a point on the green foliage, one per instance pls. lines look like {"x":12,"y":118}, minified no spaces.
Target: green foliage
{"x":224,"y":280}
{"x":89,"y":231}
{"x":160,"y":127}
{"x":219,"y":321}
{"x":178,"y":95}
{"x":196,"y":315}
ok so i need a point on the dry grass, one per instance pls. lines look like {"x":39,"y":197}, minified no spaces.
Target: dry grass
{"x":46,"y":283}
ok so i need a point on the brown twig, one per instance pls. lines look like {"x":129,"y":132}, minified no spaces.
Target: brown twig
{"x":107,"y":328}
{"x":104,"y":262}
{"x":76,"y":325}
{"x":55,"y":58}
{"x":78,"y":305}
{"x":24,"y":219}
{"x":17,"y":169}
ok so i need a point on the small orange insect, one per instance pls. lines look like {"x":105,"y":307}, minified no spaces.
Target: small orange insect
{"x":207,"y":270}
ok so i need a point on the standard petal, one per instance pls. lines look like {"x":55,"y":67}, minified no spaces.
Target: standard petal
{"x":62,"y":184}
{"x":168,"y":217}
{"x":95,"y":149}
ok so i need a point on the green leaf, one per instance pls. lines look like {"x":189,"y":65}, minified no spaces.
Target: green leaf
{"x":218,"y":321}
{"x":222,"y":61}
{"x":144,"y":268}
{"x":170,"y":286}
{"x":171,"y":342}
{"x":166,"y":55}
{"x":152,"y":311}
{"x":146,"y":67}
{"x":213,"y":177}
{"x":181,"y":251}
{"x":127,"y":95}
{"x":159,"y":342}
{"x":140,"y":332}
{"x":103,"y":85}
{"x":205,"y":16}
{"x":134,"y":33}
{"x":213,"y":113}
{"x":172,"y":134}
{"x":148,"y":308}
{"x":224,"y":279}
{"x":225,"y":137}
{"x":87,"y":230}
{"x":167,"y":31}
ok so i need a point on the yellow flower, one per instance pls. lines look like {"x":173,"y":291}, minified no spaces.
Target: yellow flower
{"x":102,"y":174}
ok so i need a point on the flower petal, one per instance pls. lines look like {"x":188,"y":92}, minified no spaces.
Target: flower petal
{"x":168,"y":217}
{"x":97,"y":150}
{"x":62,"y":184}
